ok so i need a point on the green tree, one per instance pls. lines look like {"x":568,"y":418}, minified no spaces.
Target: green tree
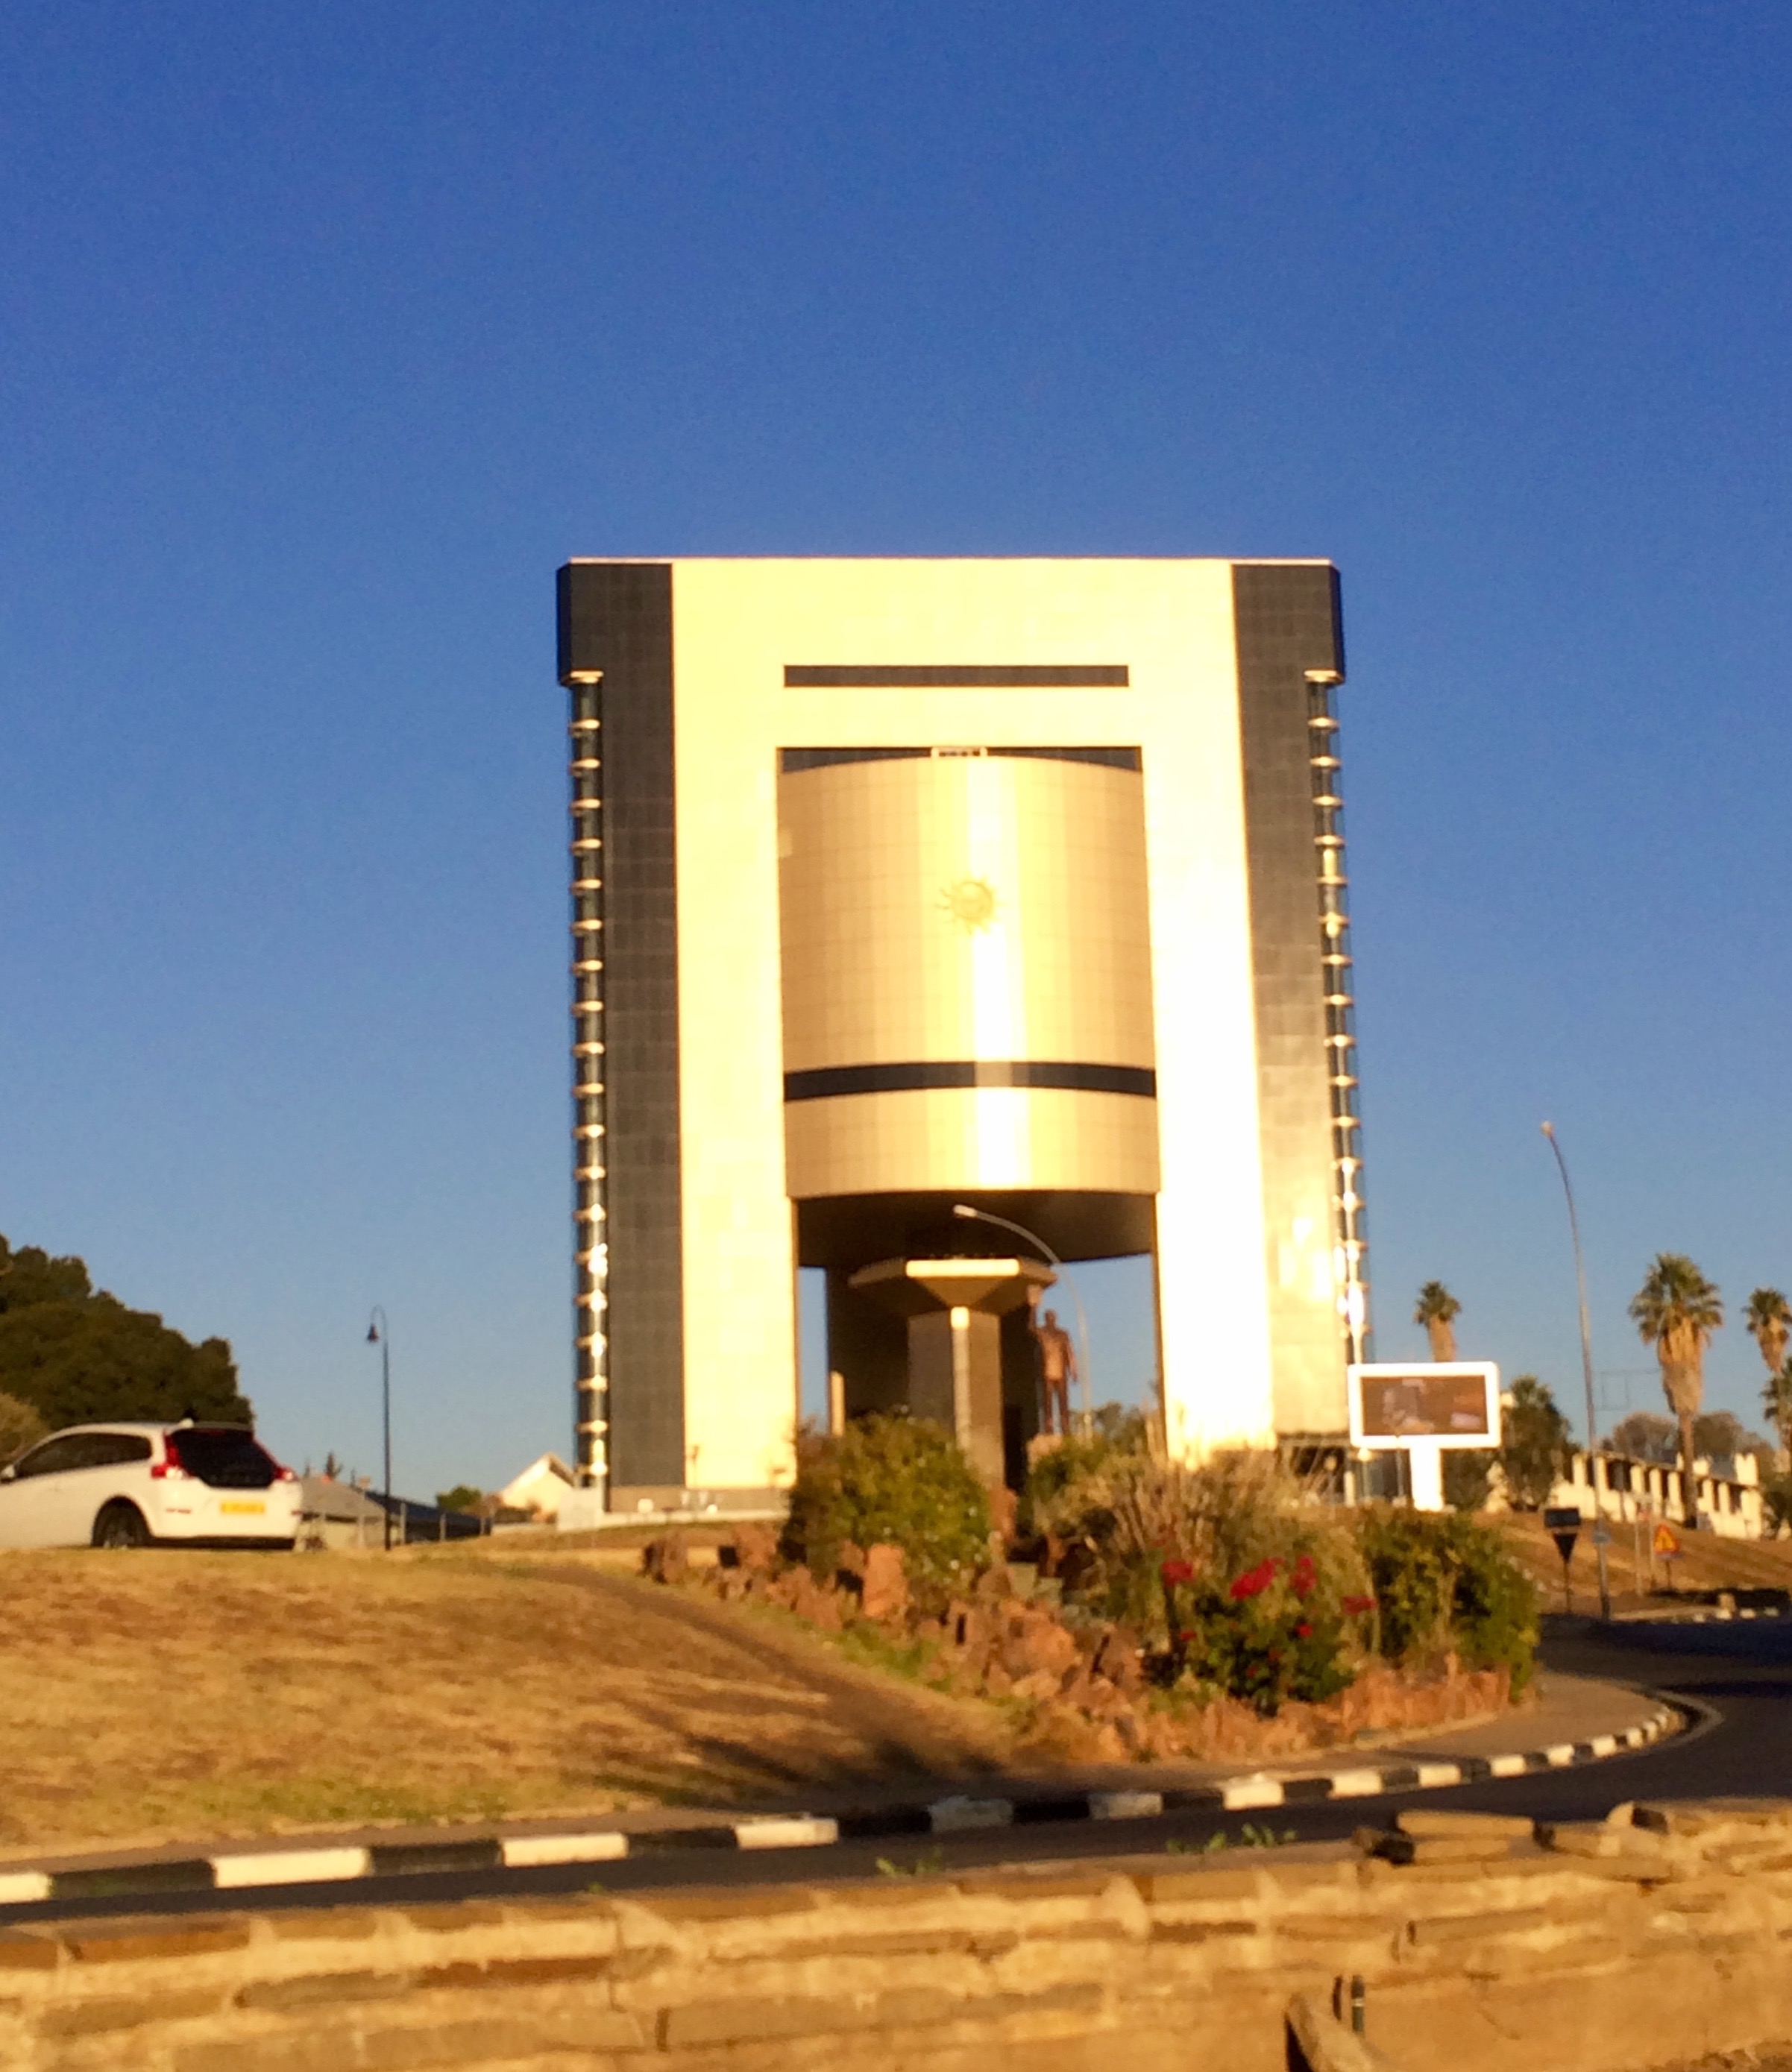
{"x":1645,"y":1436}
{"x":462,"y":1497}
{"x":1437,"y":1310}
{"x":20,"y":1426}
{"x":1768,"y":1319}
{"x":1468,"y":1476}
{"x":1675,"y":1310}
{"x":1720,"y":1434}
{"x":1534,"y":1443}
{"x":75,"y":1353}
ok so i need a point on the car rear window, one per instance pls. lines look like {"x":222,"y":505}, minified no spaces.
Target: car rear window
{"x":223,"y":1458}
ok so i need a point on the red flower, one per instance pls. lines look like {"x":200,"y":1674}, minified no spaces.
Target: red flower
{"x":1255,"y":1579}
{"x":1305,"y":1576}
{"x":1177,"y":1571}
{"x":1354,"y":1606}
{"x":1302,"y":1631}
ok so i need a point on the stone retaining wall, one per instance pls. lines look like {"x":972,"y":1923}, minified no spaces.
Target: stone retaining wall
{"x":1618,"y":1947}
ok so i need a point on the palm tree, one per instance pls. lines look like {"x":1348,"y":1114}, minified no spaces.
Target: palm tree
{"x":1676,"y":1310}
{"x":1777,"y":1397}
{"x":1438,"y":1310}
{"x":1768,"y":1319}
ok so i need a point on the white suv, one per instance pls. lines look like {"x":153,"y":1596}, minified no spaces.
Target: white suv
{"x":139,"y":1485}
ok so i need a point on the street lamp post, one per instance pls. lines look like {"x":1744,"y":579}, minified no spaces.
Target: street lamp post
{"x":379,"y":1332}
{"x":1586,"y":1372}
{"x":964,"y":1209}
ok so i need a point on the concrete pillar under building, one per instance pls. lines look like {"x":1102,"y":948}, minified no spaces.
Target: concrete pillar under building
{"x":953,"y":1310}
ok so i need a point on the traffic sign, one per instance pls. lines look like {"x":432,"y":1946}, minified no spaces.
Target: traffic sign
{"x":1666,"y":1542}
{"x":1562,"y":1523}
{"x":1602,"y":1533}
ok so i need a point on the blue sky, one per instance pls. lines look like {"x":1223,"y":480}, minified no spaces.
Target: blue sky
{"x":327,"y":332}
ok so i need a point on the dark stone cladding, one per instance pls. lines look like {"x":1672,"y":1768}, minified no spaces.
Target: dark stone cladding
{"x":616,"y":618}
{"x":792,"y":761}
{"x":828,"y":1082}
{"x":1288,"y":620}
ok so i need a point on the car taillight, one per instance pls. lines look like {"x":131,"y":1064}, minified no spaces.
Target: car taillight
{"x":286,"y":1475}
{"x":169,"y":1471}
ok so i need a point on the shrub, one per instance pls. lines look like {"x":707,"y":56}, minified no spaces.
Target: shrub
{"x":1239,"y":1574}
{"x":1441,"y":1583}
{"x":897,"y":1479}
{"x":20,"y":1426}
{"x":1275,"y":1632}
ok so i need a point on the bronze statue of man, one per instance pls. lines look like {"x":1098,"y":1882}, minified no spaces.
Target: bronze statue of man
{"x":1057,"y":1369}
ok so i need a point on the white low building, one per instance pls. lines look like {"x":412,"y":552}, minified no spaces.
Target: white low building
{"x":1626,"y":1491}
{"x":540,"y":1488}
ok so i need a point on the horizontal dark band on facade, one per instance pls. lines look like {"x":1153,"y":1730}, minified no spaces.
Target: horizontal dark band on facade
{"x":934,"y":1075}
{"x":956,"y":675}
{"x":790,"y":760}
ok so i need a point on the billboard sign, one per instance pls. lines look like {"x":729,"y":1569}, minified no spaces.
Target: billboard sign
{"x":1394,"y":1406}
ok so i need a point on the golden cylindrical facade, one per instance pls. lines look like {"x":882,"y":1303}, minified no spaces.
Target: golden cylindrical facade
{"x":965,"y":972}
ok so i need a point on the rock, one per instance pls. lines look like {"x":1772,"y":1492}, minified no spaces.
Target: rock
{"x":667,"y":1559}
{"x":1707,"y":1816}
{"x":1442,"y":1849}
{"x":995,"y":1586}
{"x":1420,"y":1820}
{"x":851,"y":1561}
{"x":819,"y":1607}
{"x":886,"y":1583}
{"x":752,"y":1548}
{"x":1039,"y":1641}
{"x":1117,"y":1659}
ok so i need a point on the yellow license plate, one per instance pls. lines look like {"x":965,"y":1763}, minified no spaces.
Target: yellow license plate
{"x":243,"y":1509}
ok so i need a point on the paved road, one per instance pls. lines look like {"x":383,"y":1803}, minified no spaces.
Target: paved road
{"x":1739,"y":1677}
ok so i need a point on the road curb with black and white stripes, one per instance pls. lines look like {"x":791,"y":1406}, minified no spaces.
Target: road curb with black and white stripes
{"x":1713,"y":1614}
{"x":251,"y":1870}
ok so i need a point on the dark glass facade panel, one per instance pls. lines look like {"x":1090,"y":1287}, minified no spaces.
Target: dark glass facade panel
{"x":1288,"y":622}
{"x":616,"y":618}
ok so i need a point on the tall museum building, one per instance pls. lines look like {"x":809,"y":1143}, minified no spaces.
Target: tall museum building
{"x":905,"y":890}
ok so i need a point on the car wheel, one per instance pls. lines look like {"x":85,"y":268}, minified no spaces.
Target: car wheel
{"x":121,"y":1525}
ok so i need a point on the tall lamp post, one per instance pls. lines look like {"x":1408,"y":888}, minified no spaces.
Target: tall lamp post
{"x":1586,"y":1372}
{"x":965,"y":1210}
{"x":379,"y":1332}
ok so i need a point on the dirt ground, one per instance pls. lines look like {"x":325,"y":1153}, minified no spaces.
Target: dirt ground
{"x":1767,"y":2057}
{"x":170,"y":1694}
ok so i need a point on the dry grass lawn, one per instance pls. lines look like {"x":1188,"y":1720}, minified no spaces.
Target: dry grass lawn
{"x":1708,"y":1563}
{"x":175,"y":1695}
